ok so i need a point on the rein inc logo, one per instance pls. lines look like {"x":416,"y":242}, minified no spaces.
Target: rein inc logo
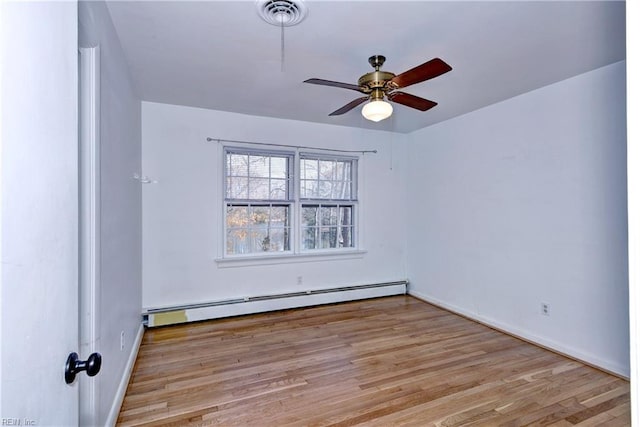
{"x":17,"y":422}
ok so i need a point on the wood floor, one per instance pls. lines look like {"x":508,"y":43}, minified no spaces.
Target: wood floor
{"x":380,"y":362}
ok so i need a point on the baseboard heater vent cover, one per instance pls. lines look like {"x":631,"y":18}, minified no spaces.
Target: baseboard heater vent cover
{"x":258,"y":304}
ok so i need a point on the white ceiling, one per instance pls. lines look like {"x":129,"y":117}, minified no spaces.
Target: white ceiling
{"x":221,"y":55}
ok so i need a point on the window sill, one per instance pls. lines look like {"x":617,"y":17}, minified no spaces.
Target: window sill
{"x":251,"y":260}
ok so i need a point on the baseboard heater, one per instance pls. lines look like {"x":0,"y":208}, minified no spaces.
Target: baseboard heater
{"x":258,"y":304}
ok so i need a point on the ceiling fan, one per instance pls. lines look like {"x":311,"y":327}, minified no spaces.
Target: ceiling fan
{"x":378,"y":85}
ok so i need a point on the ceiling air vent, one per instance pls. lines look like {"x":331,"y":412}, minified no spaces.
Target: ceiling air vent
{"x":282,"y":13}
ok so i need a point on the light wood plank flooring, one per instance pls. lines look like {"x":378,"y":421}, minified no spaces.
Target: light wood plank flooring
{"x":379,"y":362}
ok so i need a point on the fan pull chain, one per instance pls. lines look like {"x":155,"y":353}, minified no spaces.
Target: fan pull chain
{"x":284,"y":13}
{"x":282,"y":46}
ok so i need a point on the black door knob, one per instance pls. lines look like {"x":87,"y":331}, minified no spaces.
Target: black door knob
{"x":91,"y":366}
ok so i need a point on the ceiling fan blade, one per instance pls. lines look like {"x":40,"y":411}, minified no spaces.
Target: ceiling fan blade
{"x":411,"y":101}
{"x":334,"y":84}
{"x":350,"y":106}
{"x":426,"y":71}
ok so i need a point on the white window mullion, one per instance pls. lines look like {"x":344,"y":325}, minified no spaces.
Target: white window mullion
{"x":296,"y":213}
{"x":338,"y":227}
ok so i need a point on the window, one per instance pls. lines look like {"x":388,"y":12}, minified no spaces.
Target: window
{"x":258,"y":202}
{"x":327,"y":194}
{"x":271,"y":206}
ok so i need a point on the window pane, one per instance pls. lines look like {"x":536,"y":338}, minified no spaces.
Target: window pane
{"x":342,"y":186}
{"x":345,"y":171}
{"x":259,"y":166}
{"x":341,"y":190}
{"x":309,"y":215}
{"x":279,"y":239}
{"x":345,"y":215}
{"x":237,"y":216}
{"x":328,"y":237}
{"x":327,"y":169}
{"x":259,"y":188}
{"x":237,"y":188}
{"x":279,"y":216}
{"x":309,"y":189}
{"x":260,"y":241}
{"x":341,"y":172}
{"x":324,"y":190}
{"x":329,"y":215}
{"x":237,"y":241}
{"x":309,"y":169}
{"x":238,"y":165}
{"x":278,"y":189}
{"x":345,"y":238}
{"x":279,"y":167}
{"x":259,"y":215}
{"x":309,"y":238}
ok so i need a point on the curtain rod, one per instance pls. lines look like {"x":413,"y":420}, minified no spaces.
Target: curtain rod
{"x":336,"y":150}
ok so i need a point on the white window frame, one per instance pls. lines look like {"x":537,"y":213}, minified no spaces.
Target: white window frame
{"x":288,"y":201}
{"x":295,"y":202}
{"x":329,"y":202}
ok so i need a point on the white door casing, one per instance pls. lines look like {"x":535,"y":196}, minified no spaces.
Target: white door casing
{"x":89,"y":262}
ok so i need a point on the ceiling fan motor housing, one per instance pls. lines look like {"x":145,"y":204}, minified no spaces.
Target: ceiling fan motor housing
{"x":376,"y":82}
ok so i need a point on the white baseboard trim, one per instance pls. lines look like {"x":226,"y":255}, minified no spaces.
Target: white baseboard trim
{"x":124,"y":382}
{"x":588,"y":359}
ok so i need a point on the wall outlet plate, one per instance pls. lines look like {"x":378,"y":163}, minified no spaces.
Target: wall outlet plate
{"x":545,"y":309}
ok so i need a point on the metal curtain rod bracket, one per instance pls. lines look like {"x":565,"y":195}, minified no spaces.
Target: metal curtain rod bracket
{"x":335,"y":150}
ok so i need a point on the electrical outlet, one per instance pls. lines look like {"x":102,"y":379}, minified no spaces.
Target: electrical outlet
{"x":121,"y":340}
{"x":545,"y":309}
{"x":299,"y":279}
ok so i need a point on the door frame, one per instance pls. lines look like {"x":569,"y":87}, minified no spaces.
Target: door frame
{"x":89,"y":224}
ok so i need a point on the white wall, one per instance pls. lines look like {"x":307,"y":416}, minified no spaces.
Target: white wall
{"x":633,"y":183}
{"x":633,"y":192}
{"x":182,"y":212}
{"x":121,"y":202}
{"x":524,"y":202}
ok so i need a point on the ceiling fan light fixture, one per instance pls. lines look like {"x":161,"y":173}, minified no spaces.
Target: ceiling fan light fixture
{"x":377,"y":110}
